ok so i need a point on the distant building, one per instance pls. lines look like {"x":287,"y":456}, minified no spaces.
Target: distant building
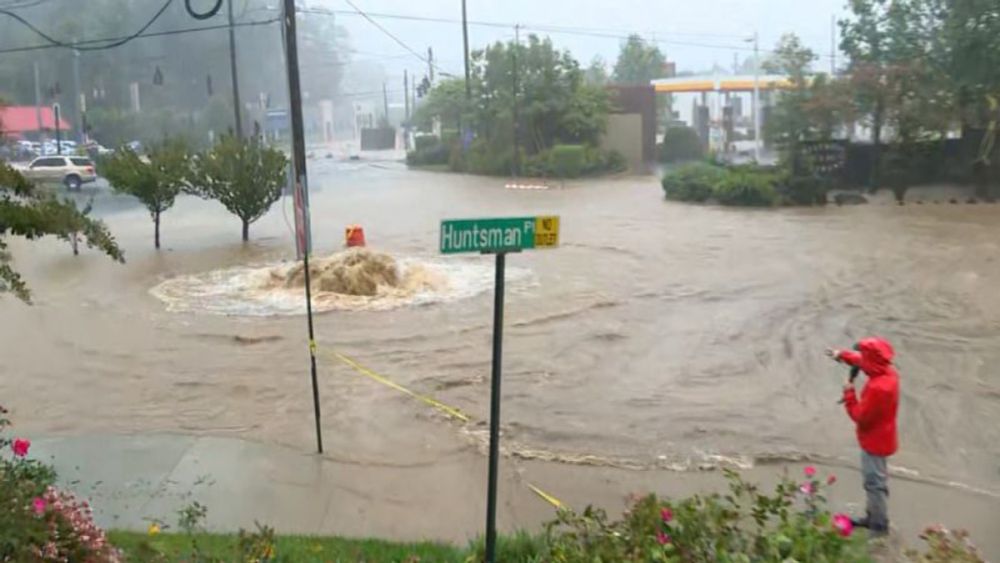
{"x":22,"y":122}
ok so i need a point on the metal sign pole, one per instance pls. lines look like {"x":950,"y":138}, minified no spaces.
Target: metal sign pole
{"x":498,"y":236}
{"x":57,"y":114}
{"x":491,"y":499}
{"x":301,"y":187}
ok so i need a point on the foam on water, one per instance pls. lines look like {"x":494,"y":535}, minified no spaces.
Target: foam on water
{"x":270,"y":289}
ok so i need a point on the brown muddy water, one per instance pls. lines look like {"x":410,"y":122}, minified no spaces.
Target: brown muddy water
{"x":658,"y":334}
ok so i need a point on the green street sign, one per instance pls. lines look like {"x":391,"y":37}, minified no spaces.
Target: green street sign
{"x":509,"y":234}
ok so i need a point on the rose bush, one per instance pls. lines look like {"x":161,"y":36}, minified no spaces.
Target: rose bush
{"x":743,"y":525}
{"x":39,"y":522}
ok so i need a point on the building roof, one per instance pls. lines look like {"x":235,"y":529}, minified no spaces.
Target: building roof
{"x":15,"y":120}
{"x":743,"y":83}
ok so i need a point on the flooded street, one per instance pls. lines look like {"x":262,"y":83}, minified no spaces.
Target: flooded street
{"x":658,"y":335}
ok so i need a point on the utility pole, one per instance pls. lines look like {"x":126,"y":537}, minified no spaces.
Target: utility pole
{"x":38,"y":103}
{"x":237,"y":113}
{"x":430,"y":64}
{"x":58,"y":115}
{"x":385,"y":102}
{"x":517,"y":125}
{"x":465,"y":40}
{"x":406,"y":109}
{"x":301,"y":190}
{"x":756,"y":98}
{"x":833,"y":45}
{"x":79,"y":104}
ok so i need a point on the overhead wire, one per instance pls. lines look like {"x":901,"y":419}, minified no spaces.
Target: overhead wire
{"x":392,"y":36}
{"x":80,"y":45}
{"x":606,"y":33}
{"x":116,"y":43}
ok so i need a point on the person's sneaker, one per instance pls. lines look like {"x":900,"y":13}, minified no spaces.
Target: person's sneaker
{"x":860,"y":522}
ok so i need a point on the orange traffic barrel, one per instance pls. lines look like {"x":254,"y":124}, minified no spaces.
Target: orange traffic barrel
{"x":354,"y":236}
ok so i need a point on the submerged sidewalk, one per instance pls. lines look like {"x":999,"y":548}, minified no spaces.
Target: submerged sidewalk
{"x":133,"y":479}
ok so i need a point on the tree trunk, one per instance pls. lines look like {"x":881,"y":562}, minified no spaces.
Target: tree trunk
{"x":877,"y":117}
{"x":246,"y":230}
{"x":156,"y":229}
{"x":75,"y":242}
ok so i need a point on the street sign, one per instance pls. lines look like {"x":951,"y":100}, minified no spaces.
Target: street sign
{"x":491,"y":236}
{"x":497,"y":236}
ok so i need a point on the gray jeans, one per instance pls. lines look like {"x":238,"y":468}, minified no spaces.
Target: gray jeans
{"x":876,"y":479}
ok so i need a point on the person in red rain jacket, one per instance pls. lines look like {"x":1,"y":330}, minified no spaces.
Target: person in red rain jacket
{"x":874,"y":415}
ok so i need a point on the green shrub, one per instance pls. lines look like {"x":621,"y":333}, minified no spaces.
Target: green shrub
{"x":568,"y":160}
{"x":484,"y":158}
{"x":449,"y":137}
{"x":423,"y":142}
{"x":548,"y":163}
{"x":692,"y":182}
{"x":430,"y":150}
{"x":803,"y":190}
{"x":747,"y":187}
{"x":598,"y":161}
{"x":428,"y":155}
{"x":745,"y":525}
{"x":681,"y":144}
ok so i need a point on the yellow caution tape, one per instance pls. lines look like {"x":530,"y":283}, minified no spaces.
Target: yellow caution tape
{"x":450,"y":411}
{"x":545,"y":496}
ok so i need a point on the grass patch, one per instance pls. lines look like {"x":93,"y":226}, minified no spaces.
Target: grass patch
{"x":520,"y":547}
{"x":139,"y":546}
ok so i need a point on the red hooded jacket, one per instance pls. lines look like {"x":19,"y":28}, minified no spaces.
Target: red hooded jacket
{"x":875,"y":413}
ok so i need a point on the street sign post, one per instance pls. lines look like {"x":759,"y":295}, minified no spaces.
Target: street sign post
{"x":498,"y":236}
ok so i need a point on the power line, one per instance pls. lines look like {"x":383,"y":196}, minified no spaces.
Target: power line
{"x":392,"y":36}
{"x":605,"y":33}
{"x":79,"y":45}
{"x":117,"y":43}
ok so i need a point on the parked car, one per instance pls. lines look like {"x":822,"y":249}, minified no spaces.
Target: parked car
{"x":70,"y":171}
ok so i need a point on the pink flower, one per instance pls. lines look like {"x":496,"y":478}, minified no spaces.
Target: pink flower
{"x":662,"y":538}
{"x":20,"y":447}
{"x":807,"y":488}
{"x":831,"y":479}
{"x":38,"y":505}
{"x":842,"y":523}
{"x":810,"y":471}
{"x":666,"y":514}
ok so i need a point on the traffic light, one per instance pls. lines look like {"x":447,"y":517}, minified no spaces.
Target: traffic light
{"x":424,"y":87}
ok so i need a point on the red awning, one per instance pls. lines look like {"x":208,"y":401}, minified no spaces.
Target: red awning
{"x":16,"y":120}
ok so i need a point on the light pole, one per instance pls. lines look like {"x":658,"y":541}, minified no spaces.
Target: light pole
{"x":238,"y":115}
{"x":465,"y":41}
{"x":756,"y":97}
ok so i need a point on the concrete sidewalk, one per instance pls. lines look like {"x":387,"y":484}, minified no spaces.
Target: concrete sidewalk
{"x":132,"y":479}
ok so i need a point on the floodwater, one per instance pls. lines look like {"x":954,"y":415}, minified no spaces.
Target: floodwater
{"x":658,"y":334}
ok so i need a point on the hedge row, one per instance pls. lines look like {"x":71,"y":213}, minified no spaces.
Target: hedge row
{"x":745,"y":186}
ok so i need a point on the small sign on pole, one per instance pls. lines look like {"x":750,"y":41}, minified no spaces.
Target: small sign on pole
{"x":498,"y":236}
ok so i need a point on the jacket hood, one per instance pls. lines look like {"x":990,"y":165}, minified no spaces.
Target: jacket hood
{"x":876,"y":351}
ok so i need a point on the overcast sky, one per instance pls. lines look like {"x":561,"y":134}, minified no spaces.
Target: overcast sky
{"x":694,"y":33}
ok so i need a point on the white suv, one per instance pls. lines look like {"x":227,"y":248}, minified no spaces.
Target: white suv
{"x":71,"y":171}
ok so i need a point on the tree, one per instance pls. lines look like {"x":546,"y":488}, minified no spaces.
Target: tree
{"x":155,"y":181}
{"x":555,"y":104}
{"x":790,"y":123}
{"x":244,"y":176}
{"x":597,"y":73}
{"x":26,"y":211}
{"x":638,"y":62}
{"x":446,"y":101}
